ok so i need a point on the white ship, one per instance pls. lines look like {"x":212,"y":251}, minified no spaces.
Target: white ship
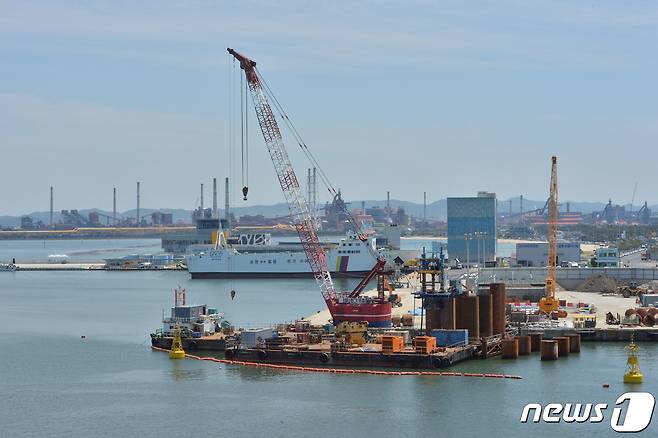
{"x":258,"y":258}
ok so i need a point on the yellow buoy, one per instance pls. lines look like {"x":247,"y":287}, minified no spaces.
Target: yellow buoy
{"x":177,"y":351}
{"x":633,"y":373}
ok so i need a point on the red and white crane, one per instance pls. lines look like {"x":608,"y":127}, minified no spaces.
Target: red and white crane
{"x":342,"y":306}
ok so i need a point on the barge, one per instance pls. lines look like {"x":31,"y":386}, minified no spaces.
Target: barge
{"x":354,"y":357}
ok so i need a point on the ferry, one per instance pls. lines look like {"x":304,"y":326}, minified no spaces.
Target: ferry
{"x":348,"y":257}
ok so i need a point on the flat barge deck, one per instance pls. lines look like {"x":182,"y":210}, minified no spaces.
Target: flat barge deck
{"x":404,"y":359}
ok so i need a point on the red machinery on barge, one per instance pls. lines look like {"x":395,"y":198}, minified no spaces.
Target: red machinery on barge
{"x":343,"y":306}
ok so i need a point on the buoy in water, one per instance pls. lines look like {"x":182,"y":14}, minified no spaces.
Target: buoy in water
{"x":177,"y":351}
{"x":633,"y":373}
{"x":232,"y":294}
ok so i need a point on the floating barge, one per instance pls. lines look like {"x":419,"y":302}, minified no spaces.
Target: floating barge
{"x":354,"y":358}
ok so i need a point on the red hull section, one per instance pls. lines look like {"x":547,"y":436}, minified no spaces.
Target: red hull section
{"x":376,"y":314}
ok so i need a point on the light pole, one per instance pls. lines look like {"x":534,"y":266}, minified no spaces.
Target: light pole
{"x":484,"y":249}
{"x":477,"y":239}
{"x":467,"y":239}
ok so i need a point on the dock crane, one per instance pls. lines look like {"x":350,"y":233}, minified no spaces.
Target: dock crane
{"x":343,"y":306}
{"x":549,"y":303}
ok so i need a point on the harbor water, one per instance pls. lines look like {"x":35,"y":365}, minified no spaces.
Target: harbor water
{"x":56,"y":384}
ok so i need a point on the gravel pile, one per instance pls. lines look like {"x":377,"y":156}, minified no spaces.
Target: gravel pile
{"x":599,"y":283}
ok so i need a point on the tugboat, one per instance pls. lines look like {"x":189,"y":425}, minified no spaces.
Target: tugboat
{"x":199,"y":326}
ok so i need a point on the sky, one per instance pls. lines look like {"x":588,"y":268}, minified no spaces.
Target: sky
{"x":447,"y":97}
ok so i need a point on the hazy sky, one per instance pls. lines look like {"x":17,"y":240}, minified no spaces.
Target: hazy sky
{"x":450,"y":97}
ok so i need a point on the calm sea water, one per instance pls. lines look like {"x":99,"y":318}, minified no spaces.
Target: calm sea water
{"x":54,"y":384}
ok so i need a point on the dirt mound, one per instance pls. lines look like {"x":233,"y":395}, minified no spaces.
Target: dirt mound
{"x":599,"y":283}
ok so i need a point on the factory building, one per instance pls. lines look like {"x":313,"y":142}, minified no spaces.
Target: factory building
{"x":534,"y":255}
{"x":472,"y":225}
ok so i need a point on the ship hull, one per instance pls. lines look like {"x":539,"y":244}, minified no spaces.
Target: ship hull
{"x":375,"y":314}
{"x":210,"y":274}
{"x":349,"y":257}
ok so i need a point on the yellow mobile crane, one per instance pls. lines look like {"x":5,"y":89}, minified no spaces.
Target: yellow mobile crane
{"x":549,"y":303}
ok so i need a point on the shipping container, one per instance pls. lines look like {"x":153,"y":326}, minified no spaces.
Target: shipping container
{"x":448,"y":338}
{"x":252,"y":337}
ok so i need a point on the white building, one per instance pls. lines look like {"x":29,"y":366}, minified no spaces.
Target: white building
{"x":607,"y":257}
{"x":535,"y":254}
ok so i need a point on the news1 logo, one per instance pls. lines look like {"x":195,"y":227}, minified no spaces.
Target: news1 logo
{"x":632,"y":412}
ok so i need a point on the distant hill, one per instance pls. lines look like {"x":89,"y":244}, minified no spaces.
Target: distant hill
{"x":435,"y":210}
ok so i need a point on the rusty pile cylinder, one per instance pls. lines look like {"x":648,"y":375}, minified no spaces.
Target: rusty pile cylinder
{"x":525,"y":345}
{"x":535,"y":341}
{"x":497,"y":291}
{"x":652,"y":311}
{"x":563,"y":346}
{"x":549,"y":349}
{"x":629,"y":312}
{"x":641,"y":312}
{"x":486,"y":315}
{"x":468,"y":315}
{"x":510,"y":348}
{"x":574,"y":343}
{"x":649,"y":320}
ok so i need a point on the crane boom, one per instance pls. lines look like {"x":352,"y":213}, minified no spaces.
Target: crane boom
{"x":549,"y":303}
{"x":303,"y":220}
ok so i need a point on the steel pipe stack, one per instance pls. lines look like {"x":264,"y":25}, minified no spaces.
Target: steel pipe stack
{"x":549,"y":350}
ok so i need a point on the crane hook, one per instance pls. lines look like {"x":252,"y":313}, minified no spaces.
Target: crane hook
{"x":245,"y":190}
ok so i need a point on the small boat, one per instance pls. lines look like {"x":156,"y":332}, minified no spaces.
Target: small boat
{"x":200,"y":326}
{"x":8,"y":267}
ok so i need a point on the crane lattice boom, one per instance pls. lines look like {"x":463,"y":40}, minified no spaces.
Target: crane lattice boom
{"x":549,"y":303}
{"x":304,"y":221}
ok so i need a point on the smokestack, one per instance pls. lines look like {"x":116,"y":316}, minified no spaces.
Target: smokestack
{"x":114,"y":206}
{"x":51,"y":206}
{"x":201,"y":199}
{"x":227,"y":214}
{"x":521,"y":204}
{"x":388,"y":201}
{"x":363,"y":207}
{"x":308,"y":185}
{"x":424,"y":207}
{"x":214,"y":198}
{"x":137,"y":214}
{"x":314,"y":202}
{"x":510,"y":207}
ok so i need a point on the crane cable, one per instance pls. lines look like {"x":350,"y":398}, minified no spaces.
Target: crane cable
{"x":297,"y":135}
{"x":307,"y":151}
{"x":244,"y":138}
